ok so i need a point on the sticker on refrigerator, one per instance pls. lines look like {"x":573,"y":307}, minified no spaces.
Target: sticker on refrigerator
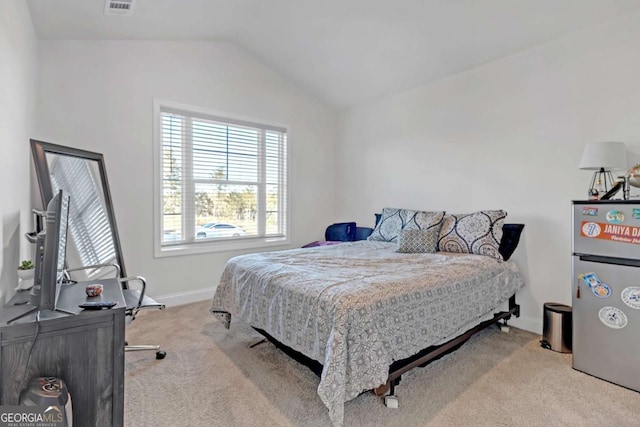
{"x":614,"y":232}
{"x":613,"y":317}
{"x":594,"y":211}
{"x":615,"y":217}
{"x":631,"y":296}
{"x":601,"y":290}
{"x":590,"y":279}
{"x":590,"y":229}
{"x":636,"y":213}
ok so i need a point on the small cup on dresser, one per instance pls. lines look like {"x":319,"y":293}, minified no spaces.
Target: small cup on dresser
{"x":93,"y":290}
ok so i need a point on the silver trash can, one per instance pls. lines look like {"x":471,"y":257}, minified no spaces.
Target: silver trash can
{"x":556,"y":327}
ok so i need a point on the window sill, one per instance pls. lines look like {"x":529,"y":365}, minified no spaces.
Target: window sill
{"x":219,"y":246}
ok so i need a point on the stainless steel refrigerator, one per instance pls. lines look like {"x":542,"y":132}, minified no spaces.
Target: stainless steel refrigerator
{"x":606,"y":290}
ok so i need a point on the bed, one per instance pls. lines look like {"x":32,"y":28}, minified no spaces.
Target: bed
{"x":358,"y":308}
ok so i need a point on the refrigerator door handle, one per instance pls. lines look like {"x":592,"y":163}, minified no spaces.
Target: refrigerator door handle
{"x":610,"y":260}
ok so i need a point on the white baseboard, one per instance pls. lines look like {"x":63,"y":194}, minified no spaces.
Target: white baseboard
{"x":187,"y":297}
{"x":527,"y":323}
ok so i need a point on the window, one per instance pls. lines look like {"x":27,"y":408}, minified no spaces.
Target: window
{"x":222,"y":181}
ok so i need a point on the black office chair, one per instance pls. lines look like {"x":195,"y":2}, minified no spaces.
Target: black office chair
{"x":135,"y":299}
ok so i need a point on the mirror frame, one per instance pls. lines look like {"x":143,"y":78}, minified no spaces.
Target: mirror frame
{"x":40,"y":149}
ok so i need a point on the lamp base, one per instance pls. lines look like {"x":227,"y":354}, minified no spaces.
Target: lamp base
{"x":601,"y":182}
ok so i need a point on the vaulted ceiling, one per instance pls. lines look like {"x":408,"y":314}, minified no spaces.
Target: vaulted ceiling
{"x":345,"y":52}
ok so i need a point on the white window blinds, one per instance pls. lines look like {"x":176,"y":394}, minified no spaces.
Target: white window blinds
{"x":222,"y":179}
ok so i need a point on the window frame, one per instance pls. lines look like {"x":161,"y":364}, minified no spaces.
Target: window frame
{"x":208,"y":246}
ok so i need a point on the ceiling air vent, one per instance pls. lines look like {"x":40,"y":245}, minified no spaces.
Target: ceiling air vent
{"x":118,"y":7}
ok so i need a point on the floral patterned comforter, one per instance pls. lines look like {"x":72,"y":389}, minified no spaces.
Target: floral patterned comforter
{"x":357,"y":307}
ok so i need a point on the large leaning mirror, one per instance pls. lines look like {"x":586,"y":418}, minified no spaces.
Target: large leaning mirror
{"x":93,"y":236}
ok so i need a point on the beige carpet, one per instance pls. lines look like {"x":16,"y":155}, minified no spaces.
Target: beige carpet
{"x":211,"y":377}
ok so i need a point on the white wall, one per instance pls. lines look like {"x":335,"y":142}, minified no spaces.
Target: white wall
{"x":18,"y":66}
{"x":507,"y":135}
{"x":98,"y":95}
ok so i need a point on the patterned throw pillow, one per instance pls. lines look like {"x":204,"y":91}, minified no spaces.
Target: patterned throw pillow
{"x":418,"y":241}
{"x":477,"y":233}
{"x":393,"y":221}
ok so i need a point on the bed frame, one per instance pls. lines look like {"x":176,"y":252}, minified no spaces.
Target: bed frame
{"x":400,"y":367}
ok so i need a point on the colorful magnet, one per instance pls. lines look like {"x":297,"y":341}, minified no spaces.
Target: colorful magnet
{"x":589,"y":211}
{"x":615,"y":217}
{"x":631,"y":296}
{"x":601,"y":290}
{"x":590,"y":279}
{"x":636,"y":213}
{"x":613,"y":317}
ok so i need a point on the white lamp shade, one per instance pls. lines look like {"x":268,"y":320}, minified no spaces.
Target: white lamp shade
{"x":604,"y":155}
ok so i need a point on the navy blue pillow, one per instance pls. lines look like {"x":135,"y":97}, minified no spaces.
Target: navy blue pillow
{"x":378,"y":216}
{"x":510,"y":239}
{"x":363,"y":232}
{"x":341,"y":232}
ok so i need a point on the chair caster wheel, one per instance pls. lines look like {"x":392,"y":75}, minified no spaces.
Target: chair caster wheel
{"x":160,"y":355}
{"x":391,"y":402}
